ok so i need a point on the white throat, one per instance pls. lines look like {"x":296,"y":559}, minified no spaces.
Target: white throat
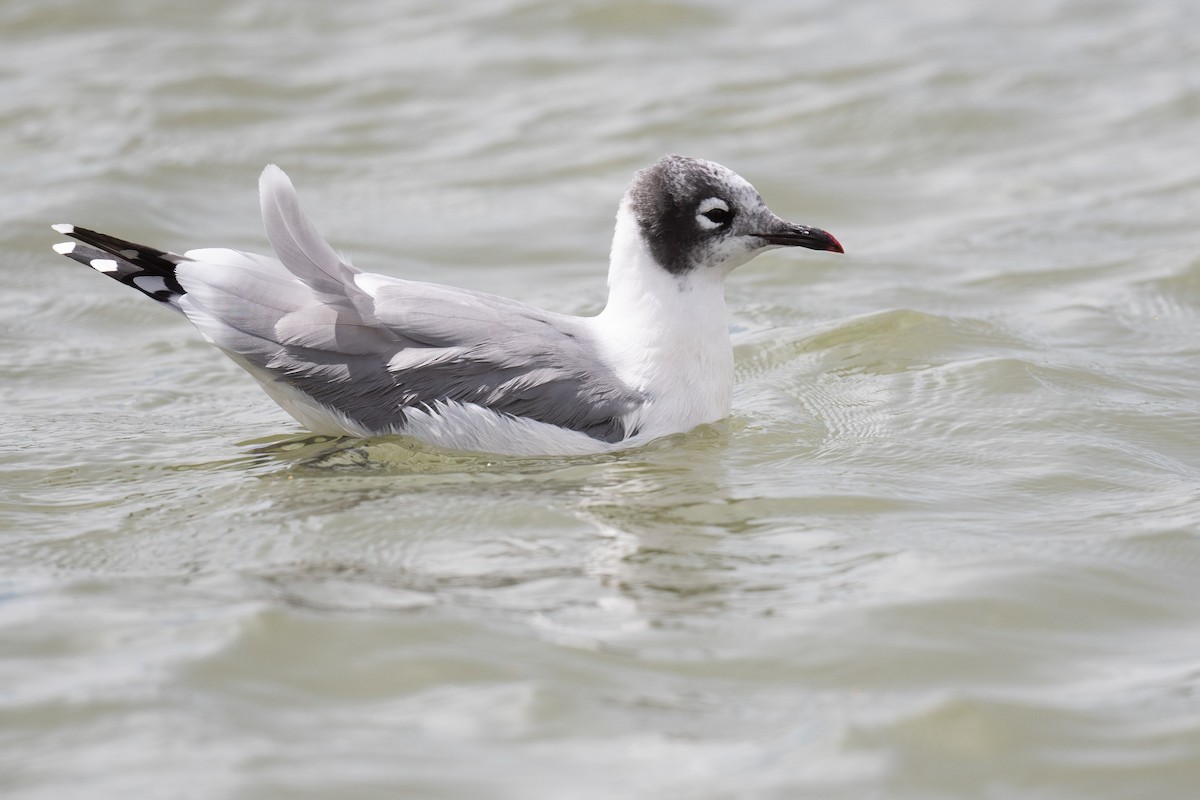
{"x":666,"y":335}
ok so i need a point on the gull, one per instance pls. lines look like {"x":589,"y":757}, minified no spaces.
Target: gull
{"x":351,"y":353}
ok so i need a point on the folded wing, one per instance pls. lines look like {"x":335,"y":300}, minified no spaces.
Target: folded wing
{"x":370,"y":347}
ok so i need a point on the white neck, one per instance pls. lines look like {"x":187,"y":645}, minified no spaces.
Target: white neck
{"x":665,"y":335}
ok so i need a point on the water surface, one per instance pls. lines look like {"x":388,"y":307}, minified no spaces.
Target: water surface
{"x":947,"y":546}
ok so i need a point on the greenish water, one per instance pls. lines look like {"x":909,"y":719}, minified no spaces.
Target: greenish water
{"x":948,"y":546}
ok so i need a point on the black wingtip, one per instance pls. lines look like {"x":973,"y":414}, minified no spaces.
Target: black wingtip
{"x":146,"y":269}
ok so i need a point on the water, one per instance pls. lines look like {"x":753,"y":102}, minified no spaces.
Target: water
{"x":946,"y":547}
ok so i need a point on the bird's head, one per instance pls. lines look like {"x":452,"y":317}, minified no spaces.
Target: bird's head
{"x":696,"y":215}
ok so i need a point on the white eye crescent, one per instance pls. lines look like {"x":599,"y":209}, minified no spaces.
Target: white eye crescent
{"x":713,"y":213}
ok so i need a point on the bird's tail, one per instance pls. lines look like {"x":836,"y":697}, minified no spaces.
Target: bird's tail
{"x":150,"y":271}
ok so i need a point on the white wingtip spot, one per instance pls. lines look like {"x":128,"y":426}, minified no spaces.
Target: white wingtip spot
{"x":64,"y":228}
{"x":64,"y":248}
{"x":104,"y":265}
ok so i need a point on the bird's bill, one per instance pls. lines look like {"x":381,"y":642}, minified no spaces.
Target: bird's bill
{"x":789,"y":235}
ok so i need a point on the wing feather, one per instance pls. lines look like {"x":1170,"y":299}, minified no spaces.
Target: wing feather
{"x":371,"y":347}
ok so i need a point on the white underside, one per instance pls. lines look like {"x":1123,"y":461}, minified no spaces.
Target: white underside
{"x":447,"y":424}
{"x":464,"y":426}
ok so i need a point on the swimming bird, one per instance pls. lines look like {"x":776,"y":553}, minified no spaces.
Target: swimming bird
{"x":347,"y":352}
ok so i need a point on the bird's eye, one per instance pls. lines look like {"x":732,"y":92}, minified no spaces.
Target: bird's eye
{"x":718,"y":215}
{"x":713,"y":213}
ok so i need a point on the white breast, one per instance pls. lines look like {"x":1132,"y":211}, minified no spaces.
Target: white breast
{"x":667,"y":336}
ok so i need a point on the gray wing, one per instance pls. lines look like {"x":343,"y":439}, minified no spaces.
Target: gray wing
{"x":371,"y":347}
